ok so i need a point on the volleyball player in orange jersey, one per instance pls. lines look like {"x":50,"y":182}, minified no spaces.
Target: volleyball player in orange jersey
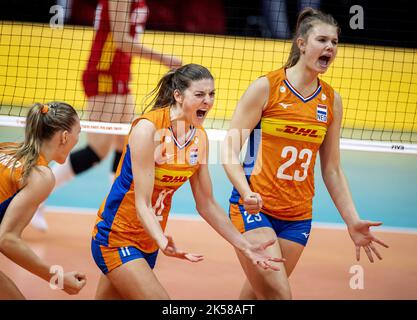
{"x":25,"y":181}
{"x":119,"y":25}
{"x":290,"y":115}
{"x":166,"y":147}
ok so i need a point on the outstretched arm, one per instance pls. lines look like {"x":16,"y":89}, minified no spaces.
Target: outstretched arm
{"x":18,"y":215}
{"x":214,"y":214}
{"x":338,"y":188}
{"x":119,"y":12}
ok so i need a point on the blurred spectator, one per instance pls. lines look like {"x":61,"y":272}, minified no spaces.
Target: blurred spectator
{"x":21,"y":10}
{"x":264,"y":18}
{"x":244,"y":18}
{"x":386,"y":23}
{"x":202,"y":16}
{"x":80,"y":12}
{"x":281,"y":17}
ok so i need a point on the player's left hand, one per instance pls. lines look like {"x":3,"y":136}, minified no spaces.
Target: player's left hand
{"x":362,"y":237}
{"x":258,"y":255}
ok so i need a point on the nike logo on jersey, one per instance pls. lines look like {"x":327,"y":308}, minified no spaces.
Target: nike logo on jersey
{"x":305,"y":234}
{"x":285,"y":105}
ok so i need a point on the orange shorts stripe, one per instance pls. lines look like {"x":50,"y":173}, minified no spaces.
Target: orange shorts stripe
{"x":236,"y":217}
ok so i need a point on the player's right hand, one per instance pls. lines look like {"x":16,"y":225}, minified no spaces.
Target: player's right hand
{"x":73,"y":282}
{"x":252,"y":202}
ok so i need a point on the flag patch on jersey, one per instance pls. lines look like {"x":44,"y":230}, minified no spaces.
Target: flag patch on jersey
{"x":322,"y":112}
{"x":193,"y":156}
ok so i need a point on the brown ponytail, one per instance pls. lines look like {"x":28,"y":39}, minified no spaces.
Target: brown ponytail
{"x":42,"y":122}
{"x":175,"y":79}
{"x":306,"y":20}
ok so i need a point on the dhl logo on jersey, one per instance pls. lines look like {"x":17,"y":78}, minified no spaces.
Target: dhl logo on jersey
{"x":173,"y":178}
{"x":301,"y":131}
{"x":167,"y":178}
{"x":294,"y":130}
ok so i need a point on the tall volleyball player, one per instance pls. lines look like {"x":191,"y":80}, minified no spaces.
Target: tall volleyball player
{"x":119,"y":25}
{"x":290,"y":115}
{"x":166,"y":147}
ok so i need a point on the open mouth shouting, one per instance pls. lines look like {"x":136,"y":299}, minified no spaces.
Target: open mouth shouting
{"x":324,"y":61}
{"x":201,"y":113}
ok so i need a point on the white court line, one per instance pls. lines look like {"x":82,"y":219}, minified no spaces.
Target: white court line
{"x":195,"y":217}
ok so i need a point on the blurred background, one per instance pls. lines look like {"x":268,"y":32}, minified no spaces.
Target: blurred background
{"x":387,"y":23}
{"x":238,"y":40}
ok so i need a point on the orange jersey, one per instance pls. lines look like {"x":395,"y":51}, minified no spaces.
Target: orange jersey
{"x":281,"y":154}
{"x":117,"y":224}
{"x":10,"y":183}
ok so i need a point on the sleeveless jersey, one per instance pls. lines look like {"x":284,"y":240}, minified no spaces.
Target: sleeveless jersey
{"x":281,"y":154}
{"x":9,"y":182}
{"x":108,"y":68}
{"x":117,"y":224}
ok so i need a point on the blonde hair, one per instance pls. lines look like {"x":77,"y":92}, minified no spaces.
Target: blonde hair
{"x":305,"y":22}
{"x":42,"y":122}
{"x":175,"y":79}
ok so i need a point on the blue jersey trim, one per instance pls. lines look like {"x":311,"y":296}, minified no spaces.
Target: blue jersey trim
{"x":4,"y":205}
{"x":251,"y":156}
{"x":186,"y":143}
{"x":299,"y":95}
{"x":116,"y":195}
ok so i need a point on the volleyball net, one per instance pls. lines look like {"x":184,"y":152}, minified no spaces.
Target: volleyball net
{"x":42,"y":62}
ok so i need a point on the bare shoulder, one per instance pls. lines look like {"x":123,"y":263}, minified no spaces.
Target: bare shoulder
{"x":257,"y":93}
{"x":144,"y":128}
{"x":337,"y":105}
{"x":44,"y":173}
{"x":261,"y":83}
{"x":41,"y":180}
{"x":144,"y":125}
{"x":142,"y":136}
{"x":337,"y":96}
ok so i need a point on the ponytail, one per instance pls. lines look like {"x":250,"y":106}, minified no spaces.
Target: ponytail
{"x":305,"y":22}
{"x":42,"y":122}
{"x":164,"y":93}
{"x":175,"y":79}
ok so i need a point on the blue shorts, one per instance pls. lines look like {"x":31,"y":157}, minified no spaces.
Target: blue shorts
{"x":297,"y":231}
{"x":109,"y":258}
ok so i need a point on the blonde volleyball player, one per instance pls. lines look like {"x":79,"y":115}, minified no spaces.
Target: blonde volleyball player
{"x":119,"y":26}
{"x":25,"y":181}
{"x":166,"y":147}
{"x":289,"y":115}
